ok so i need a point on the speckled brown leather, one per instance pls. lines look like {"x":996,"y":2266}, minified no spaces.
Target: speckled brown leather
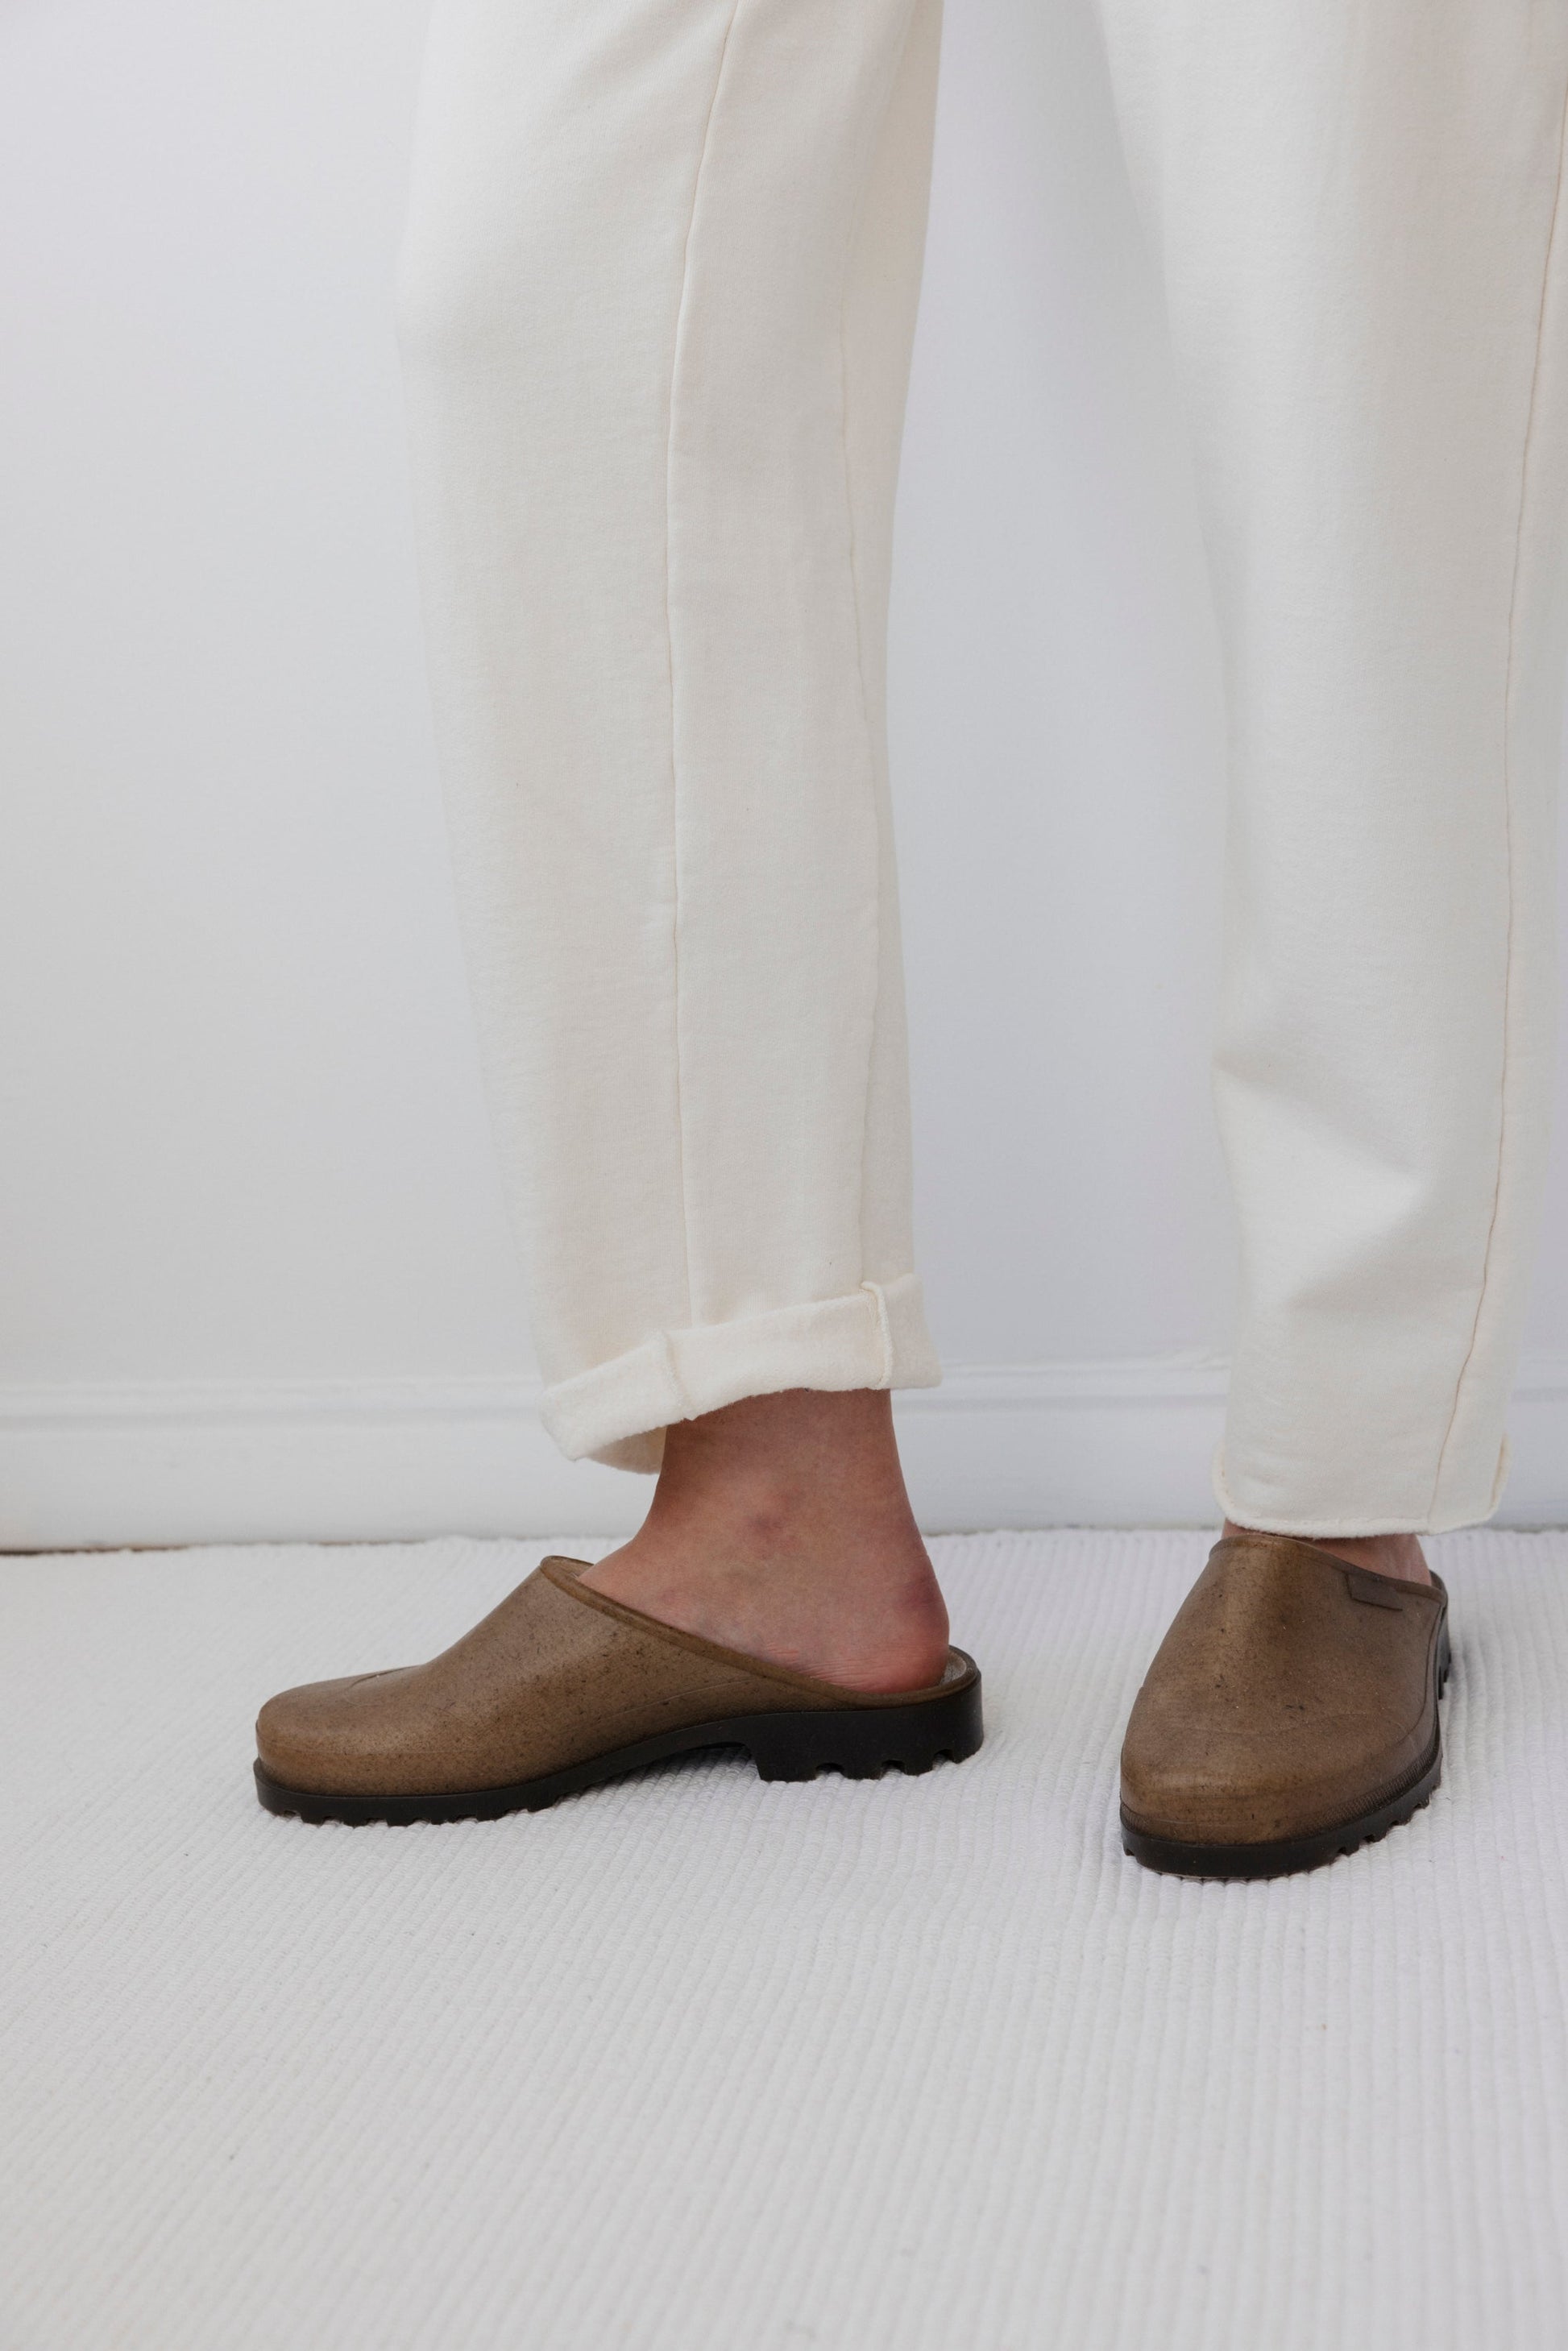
{"x":1292,"y":1694}
{"x":557,"y":1674}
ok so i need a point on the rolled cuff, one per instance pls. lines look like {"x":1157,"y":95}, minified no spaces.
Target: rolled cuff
{"x":618,"y":1411}
{"x":1465,"y":1500}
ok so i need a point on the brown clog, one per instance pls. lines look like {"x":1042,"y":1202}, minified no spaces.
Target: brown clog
{"x":561,"y":1687}
{"x":1289,"y":1714}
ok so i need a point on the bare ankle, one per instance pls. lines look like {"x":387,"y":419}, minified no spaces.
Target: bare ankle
{"x":781,"y":1526}
{"x":1390,"y":1555}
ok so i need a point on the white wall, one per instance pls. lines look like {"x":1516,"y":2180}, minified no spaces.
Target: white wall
{"x":254,"y":1277}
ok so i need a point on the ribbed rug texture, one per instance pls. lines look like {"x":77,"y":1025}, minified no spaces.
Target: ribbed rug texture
{"x":694,"y":2064}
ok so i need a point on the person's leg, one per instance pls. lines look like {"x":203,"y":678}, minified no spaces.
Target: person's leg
{"x":658,"y":303}
{"x":658,"y":298}
{"x":1356,"y":216}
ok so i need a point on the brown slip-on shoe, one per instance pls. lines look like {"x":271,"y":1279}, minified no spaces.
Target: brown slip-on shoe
{"x":561,"y":1687}
{"x":1290,"y":1713}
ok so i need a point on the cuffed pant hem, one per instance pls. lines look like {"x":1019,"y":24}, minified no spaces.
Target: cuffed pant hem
{"x":1251,"y":1503}
{"x":618,"y":1411}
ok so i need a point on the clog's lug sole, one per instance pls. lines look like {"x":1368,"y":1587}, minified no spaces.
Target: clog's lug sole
{"x":861,"y":1743}
{"x":1287,"y":1855}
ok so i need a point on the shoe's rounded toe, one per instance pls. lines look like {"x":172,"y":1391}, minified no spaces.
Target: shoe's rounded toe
{"x":1207,"y":1781}
{"x":323,"y":1738}
{"x":1179,"y":1782}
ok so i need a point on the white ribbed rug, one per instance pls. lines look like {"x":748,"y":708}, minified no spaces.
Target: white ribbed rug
{"x":698,"y":2064}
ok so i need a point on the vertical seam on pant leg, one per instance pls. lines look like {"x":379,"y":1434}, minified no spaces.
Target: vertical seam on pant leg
{"x":872,"y":773}
{"x":864,"y":697}
{"x":1530,"y":414}
{"x":681,"y":305}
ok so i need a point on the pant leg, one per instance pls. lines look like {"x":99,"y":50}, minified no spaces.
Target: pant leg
{"x":1356,"y":210}
{"x":657,"y":303}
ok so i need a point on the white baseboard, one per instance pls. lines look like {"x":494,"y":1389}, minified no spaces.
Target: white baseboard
{"x":1124,"y":1443}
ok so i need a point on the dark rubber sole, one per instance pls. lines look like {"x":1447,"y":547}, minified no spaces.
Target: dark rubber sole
{"x":1288,"y":1855}
{"x":859,"y":1742}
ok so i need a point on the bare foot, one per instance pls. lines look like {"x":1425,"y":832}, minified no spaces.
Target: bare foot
{"x":781,"y":1527}
{"x":1399,"y":1556}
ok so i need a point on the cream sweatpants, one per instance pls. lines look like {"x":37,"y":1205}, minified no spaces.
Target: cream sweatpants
{"x":657,"y":303}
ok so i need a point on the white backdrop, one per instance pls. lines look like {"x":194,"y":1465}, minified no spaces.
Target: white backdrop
{"x":254,"y":1275}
